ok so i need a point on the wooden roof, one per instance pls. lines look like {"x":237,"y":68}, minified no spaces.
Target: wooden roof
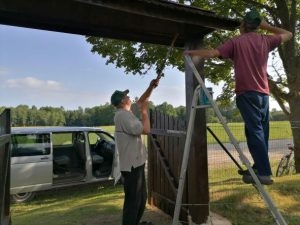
{"x":150,"y":21}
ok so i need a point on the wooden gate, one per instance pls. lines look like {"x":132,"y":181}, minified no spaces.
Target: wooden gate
{"x":4,"y":167}
{"x":166,"y":146}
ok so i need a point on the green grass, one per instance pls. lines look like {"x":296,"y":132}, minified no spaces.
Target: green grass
{"x":278,"y":130}
{"x":237,"y":202}
{"x":109,"y":129}
{"x":242,"y":204}
{"x":231,"y":198}
{"x":71,"y":206}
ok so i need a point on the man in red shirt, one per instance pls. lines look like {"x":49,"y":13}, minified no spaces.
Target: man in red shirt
{"x":249,"y":52}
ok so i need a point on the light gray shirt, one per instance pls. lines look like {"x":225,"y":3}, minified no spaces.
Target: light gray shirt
{"x":128,"y":130}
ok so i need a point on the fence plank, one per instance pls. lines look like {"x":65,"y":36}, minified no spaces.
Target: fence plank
{"x":169,"y":134}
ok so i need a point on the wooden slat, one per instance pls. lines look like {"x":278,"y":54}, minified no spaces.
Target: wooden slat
{"x":165,"y":166}
{"x":168,"y":132}
{"x":167,"y":148}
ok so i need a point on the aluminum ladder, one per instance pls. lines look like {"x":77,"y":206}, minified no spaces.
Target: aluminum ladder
{"x":273,"y":209}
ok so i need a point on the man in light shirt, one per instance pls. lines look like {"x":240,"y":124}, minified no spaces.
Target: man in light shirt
{"x":132,"y":152}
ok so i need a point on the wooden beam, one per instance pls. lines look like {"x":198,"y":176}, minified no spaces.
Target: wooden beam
{"x":146,"y":21}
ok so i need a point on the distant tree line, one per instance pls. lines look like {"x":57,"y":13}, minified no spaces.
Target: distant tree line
{"x":102,"y":115}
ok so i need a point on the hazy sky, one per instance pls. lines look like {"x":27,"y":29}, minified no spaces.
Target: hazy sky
{"x":44,"y":68}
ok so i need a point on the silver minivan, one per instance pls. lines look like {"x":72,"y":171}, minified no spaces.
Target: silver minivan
{"x":44,"y":158}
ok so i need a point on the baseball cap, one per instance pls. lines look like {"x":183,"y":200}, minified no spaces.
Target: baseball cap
{"x":252,"y":17}
{"x":117,"y":97}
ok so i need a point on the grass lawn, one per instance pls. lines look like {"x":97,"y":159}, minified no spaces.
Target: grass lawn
{"x":84,"y":205}
{"x":96,"y":204}
{"x":102,"y":204}
{"x":278,"y":130}
{"x":243,"y":205}
{"x":75,"y":205}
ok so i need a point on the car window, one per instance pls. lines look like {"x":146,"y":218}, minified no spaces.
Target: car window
{"x":30,"y":145}
{"x":95,"y":137}
{"x":67,"y":138}
{"x":62,"y":139}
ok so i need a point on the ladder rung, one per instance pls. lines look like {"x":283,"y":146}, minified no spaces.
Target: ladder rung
{"x":202,"y":106}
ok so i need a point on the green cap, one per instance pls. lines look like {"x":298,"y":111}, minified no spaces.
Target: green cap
{"x":117,"y":97}
{"x":252,"y":17}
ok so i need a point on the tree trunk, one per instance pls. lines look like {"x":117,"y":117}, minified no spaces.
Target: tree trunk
{"x":295,"y":126}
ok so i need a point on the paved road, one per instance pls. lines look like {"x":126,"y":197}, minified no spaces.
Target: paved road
{"x":217,"y":156}
{"x":274,"y":145}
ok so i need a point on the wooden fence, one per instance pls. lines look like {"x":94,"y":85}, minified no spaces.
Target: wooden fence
{"x":4,"y":167}
{"x":166,"y":146}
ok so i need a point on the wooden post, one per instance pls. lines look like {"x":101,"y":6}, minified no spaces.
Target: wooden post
{"x":197,"y":172}
{"x":5,"y":131}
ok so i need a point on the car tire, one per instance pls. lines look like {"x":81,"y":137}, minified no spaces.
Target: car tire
{"x":22,"y":197}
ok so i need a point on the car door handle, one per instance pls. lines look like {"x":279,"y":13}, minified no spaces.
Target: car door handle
{"x":44,"y":158}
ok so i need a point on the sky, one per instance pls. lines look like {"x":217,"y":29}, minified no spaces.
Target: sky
{"x":45,"y":68}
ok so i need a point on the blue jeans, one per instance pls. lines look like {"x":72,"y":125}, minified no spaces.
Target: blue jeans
{"x":254,"y":108}
{"x":135,"y":195}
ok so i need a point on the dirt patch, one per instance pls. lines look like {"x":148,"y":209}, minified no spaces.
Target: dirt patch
{"x":153,"y":214}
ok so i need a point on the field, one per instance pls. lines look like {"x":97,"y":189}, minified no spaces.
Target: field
{"x":278,"y":130}
{"x":99,"y":205}
{"x":229,"y":197}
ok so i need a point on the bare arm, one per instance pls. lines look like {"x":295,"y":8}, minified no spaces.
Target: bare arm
{"x":143,"y":104}
{"x":285,"y":35}
{"x":145,"y":96}
{"x":203,"y":53}
{"x":145,"y":117}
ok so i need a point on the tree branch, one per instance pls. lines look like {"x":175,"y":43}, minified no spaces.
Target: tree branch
{"x":258,"y":5}
{"x":279,"y":96}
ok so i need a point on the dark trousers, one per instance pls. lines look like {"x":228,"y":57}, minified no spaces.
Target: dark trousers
{"x":135,"y":195}
{"x":254,"y":108}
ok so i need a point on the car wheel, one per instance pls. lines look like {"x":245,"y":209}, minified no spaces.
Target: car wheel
{"x":23,"y":197}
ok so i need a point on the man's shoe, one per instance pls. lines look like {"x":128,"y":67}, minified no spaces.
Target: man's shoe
{"x":243,"y":172}
{"x":146,"y":223}
{"x":266,"y":180}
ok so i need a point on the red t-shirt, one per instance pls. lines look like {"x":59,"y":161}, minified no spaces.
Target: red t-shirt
{"x":249,"y":53}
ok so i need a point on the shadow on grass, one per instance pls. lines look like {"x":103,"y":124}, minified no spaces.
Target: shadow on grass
{"x":69,"y":206}
{"x":243,"y":205}
{"x":102,"y":204}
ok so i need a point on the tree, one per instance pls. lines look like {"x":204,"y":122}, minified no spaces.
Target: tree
{"x":20,"y":115}
{"x":166,"y":109}
{"x":102,"y":115}
{"x":138,"y":58}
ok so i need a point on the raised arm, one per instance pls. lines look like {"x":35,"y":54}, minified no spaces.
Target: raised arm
{"x":203,"y":53}
{"x":143,"y":105}
{"x":285,"y":35}
{"x":145,"y":96}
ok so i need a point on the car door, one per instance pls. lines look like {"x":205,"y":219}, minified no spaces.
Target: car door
{"x":31,"y":162}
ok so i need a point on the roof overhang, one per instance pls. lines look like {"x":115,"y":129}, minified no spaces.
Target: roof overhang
{"x":150,"y":21}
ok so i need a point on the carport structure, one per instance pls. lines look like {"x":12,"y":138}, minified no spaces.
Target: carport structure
{"x":149,"y":21}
